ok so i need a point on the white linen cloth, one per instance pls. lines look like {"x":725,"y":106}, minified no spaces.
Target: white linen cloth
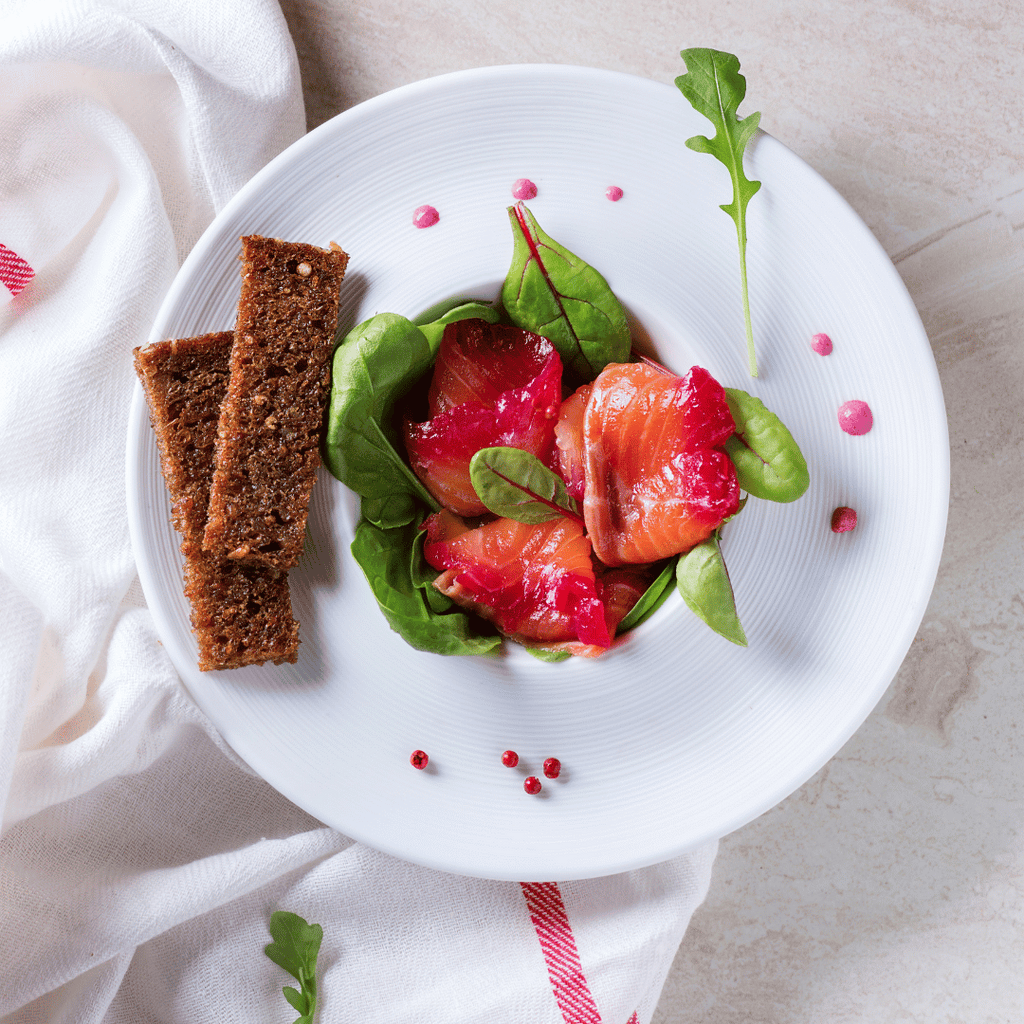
{"x":139,"y":859}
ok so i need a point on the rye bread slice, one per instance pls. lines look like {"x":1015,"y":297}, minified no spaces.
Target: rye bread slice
{"x":241,"y":614}
{"x":268,"y":436}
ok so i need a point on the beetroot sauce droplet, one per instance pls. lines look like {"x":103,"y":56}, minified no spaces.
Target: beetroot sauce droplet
{"x":419,"y":759}
{"x":822,"y":344}
{"x":552,"y":767}
{"x":613,"y":192}
{"x":532,"y":785}
{"x":425,"y":217}
{"x":510,"y":759}
{"x":844,"y":519}
{"x":855,"y":417}
{"x":523,"y":188}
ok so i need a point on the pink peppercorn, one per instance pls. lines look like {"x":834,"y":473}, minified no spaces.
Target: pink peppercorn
{"x":510,"y":759}
{"x":419,"y":759}
{"x":532,"y":785}
{"x":552,"y":767}
{"x":844,"y":519}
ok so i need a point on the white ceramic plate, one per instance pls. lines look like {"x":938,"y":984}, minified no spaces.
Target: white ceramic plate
{"x":677,"y":737}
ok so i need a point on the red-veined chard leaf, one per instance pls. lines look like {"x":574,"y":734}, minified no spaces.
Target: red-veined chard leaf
{"x":551,"y":291}
{"x":715,"y":88}
{"x":517,"y":485}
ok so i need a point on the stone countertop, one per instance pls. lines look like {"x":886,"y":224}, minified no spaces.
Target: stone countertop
{"x":890,"y":887}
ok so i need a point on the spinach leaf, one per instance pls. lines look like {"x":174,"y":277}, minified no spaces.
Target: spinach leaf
{"x":769,"y":463}
{"x":517,"y":485}
{"x":715,"y":88}
{"x":295,"y":947}
{"x":651,"y":599}
{"x":552,"y":292}
{"x":375,"y":364}
{"x":703,"y":583}
{"x":389,"y":559}
{"x":434,"y":329}
{"x":543,"y":654}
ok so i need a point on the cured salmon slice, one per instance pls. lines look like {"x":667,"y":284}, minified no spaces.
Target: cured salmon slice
{"x":479,"y":361}
{"x":535,"y":582}
{"x":657,"y":482}
{"x":570,"y":463}
{"x":524,"y":417}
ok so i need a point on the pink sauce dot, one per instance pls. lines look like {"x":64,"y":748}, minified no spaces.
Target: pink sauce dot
{"x":844,"y":519}
{"x":613,"y":192}
{"x":523,"y":188}
{"x":425,"y":217}
{"x":822,"y":344}
{"x":855,"y":417}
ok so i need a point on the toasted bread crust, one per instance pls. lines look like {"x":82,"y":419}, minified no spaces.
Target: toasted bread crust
{"x":241,"y":615}
{"x":268,"y":436}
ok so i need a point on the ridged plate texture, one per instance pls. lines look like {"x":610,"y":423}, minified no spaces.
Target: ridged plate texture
{"x":677,"y":737}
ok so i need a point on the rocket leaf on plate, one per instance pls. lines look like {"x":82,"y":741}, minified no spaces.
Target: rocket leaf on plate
{"x":715,"y":88}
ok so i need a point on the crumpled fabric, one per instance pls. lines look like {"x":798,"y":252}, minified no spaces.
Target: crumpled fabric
{"x":140,"y":860}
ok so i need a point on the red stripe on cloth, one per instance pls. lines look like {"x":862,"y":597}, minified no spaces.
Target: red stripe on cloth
{"x":572,"y":993}
{"x":15,"y":273}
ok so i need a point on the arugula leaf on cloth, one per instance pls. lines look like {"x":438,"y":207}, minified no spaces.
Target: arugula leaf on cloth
{"x":552,"y":292}
{"x":715,"y":88}
{"x":295,"y":947}
{"x":517,"y":485}
{"x":393,"y":564}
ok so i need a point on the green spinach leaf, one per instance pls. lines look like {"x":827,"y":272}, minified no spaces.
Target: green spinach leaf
{"x":715,"y":88}
{"x":768,"y":461}
{"x":517,"y":485}
{"x":652,"y":598}
{"x":552,"y":292}
{"x":375,"y":364}
{"x":403,"y":588}
{"x":295,"y":947}
{"x":703,"y":583}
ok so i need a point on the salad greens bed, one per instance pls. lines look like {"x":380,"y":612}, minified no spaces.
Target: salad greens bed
{"x":552,"y":292}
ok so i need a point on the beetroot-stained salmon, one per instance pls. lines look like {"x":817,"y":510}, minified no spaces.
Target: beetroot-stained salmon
{"x":519,"y":415}
{"x":478,"y":361}
{"x":536,"y":583}
{"x":657,"y":482}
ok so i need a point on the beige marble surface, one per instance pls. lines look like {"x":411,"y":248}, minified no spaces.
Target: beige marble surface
{"x":891,"y":886}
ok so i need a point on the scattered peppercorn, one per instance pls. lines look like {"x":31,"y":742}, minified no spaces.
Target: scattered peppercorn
{"x":419,"y":759}
{"x":532,"y":785}
{"x":510,"y":759}
{"x":552,"y":767}
{"x":844,"y":519}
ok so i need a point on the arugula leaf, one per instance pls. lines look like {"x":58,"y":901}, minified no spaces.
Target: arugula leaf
{"x":769,"y":463}
{"x":715,"y":88}
{"x":703,"y":582}
{"x":517,"y":485}
{"x":403,"y":587}
{"x":295,"y":947}
{"x":552,"y":292}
